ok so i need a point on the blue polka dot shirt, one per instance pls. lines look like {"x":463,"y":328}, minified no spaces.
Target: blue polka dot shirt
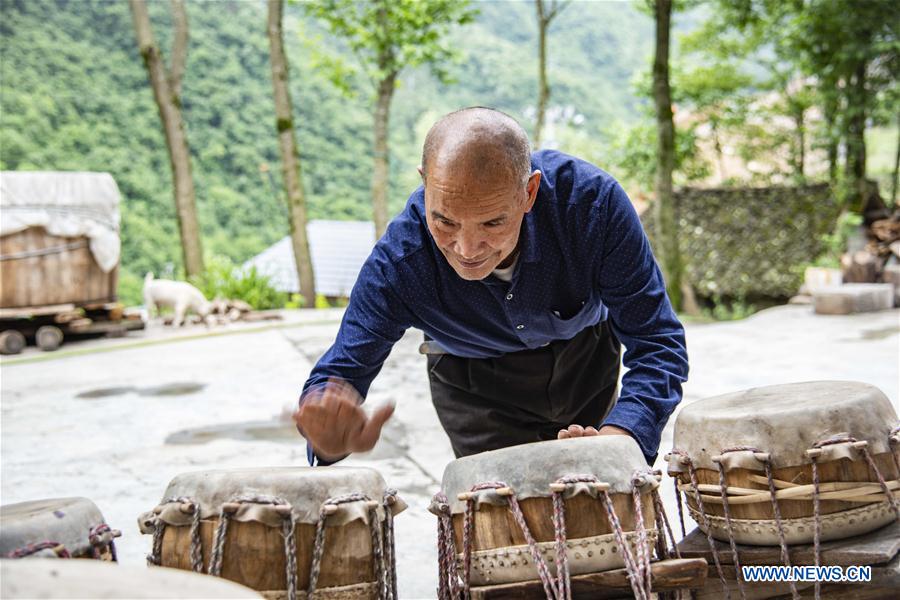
{"x":584,"y":258}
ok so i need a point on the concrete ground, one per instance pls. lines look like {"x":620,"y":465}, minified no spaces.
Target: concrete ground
{"x":115,"y":420}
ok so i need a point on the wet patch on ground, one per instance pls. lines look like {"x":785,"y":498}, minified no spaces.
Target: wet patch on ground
{"x":879,"y":334}
{"x":106,"y":392}
{"x":391,"y":445}
{"x":181,"y":388}
{"x":251,"y":431}
{"x":172,"y":389}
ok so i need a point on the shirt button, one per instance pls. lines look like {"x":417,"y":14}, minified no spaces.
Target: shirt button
{"x":509,"y":296}
{"x":520,"y":327}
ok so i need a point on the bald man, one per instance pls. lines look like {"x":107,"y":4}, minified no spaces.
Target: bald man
{"x":525,"y":272}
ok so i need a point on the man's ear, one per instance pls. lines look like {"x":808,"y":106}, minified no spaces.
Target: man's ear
{"x":532,"y":187}
{"x":421,"y":173}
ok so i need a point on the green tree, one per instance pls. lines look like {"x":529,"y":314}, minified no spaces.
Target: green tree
{"x":664,"y":203}
{"x":290,"y":158}
{"x":388,"y":36}
{"x":167,"y":92}
{"x":848,"y":49}
{"x":545,"y":15}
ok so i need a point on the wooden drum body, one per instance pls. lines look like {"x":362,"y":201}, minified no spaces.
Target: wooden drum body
{"x":56,"y":527}
{"x":785,"y":437}
{"x":582,"y":473}
{"x":281,"y":530}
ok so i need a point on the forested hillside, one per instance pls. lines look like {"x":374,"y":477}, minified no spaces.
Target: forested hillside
{"x":75,"y":96}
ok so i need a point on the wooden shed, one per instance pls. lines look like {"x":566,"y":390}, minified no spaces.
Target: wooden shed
{"x":59,"y":239}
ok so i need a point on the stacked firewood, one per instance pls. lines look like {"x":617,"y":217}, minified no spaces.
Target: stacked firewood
{"x":229,"y":311}
{"x":879,"y":261}
{"x":224,"y":311}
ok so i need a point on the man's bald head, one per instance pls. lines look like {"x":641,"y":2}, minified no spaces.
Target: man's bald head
{"x":482,"y":144}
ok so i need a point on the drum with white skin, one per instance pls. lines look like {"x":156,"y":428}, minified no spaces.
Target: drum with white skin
{"x":56,"y":527}
{"x":547,"y":510}
{"x":281,"y":531}
{"x":789,"y":464}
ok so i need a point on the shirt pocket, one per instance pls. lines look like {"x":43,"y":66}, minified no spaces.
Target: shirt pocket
{"x":566,"y":323}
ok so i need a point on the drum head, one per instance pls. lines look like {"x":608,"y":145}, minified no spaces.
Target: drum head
{"x":67,"y":521}
{"x":40,"y":578}
{"x":785,"y":420}
{"x":304,"y":488}
{"x":529,"y":469}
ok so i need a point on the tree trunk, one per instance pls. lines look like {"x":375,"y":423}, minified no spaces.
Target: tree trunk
{"x":386,"y":86}
{"x":179,"y":47}
{"x":664,"y":206}
{"x":800,"y":152}
{"x":290,"y":158}
{"x":169,"y":105}
{"x":896,"y":167}
{"x":543,"y":87}
{"x":856,"y":137}
{"x":381,"y":169}
{"x":720,"y":154}
{"x":830,"y":115}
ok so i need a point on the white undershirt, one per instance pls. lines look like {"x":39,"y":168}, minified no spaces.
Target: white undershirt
{"x":507,"y":273}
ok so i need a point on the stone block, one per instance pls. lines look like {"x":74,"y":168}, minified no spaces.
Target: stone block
{"x":816,"y":278}
{"x":853,"y":298}
{"x":891,"y":275}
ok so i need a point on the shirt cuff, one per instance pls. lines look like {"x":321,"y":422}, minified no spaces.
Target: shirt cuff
{"x":315,"y":461}
{"x":640,"y":422}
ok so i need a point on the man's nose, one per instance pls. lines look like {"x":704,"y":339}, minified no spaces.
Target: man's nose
{"x":468,"y":244}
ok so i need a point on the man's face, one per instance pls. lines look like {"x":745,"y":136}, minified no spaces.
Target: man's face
{"x":476,"y":226}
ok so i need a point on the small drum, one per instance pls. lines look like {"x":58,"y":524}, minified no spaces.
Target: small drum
{"x":788,"y":464}
{"x":511,"y":515}
{"x":327,"y":530}
{"x":21,"y":579}
{"x":56,"y":527}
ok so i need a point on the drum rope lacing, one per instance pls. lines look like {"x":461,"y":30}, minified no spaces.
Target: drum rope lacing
{"x":847,"y":495}
{"x":57,"y":548}
{"x":864,"y":450}
{"x":383,"y":547}
{"x":382,"y":539}
{"x":188,"y":505}
{"x":449,"y":587}
{"x":453,"y":585}
{"x":685,"y":459}
{"x":101,"y":536}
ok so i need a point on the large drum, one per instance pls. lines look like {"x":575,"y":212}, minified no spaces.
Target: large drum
{"x":788,"y":464}
{"x":21,"y":579}
{"x":327,"y":530}
{"x":56,"y":527}
{"x":546,"y":511}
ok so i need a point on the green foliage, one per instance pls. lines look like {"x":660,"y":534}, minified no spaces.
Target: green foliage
{"x":834,"y":242}
{"x":841,"y":56}
{"x":729,"y":309}
{"x":387,"y":36}
{"x":634,"y":155}
{"x":75,"y":97}
{"x":222,"y":279}
{"x":295,"y":301}
{"x":131,"y":289}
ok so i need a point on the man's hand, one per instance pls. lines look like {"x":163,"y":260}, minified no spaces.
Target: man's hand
{"x":574,"y":431}
{"x":332,"y":420}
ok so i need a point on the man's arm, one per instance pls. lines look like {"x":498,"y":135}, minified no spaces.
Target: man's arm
{"x":329,"y":415}
{"x":632,"y":288}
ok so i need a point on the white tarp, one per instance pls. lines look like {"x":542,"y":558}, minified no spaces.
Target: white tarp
{"x":66,"y":205}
